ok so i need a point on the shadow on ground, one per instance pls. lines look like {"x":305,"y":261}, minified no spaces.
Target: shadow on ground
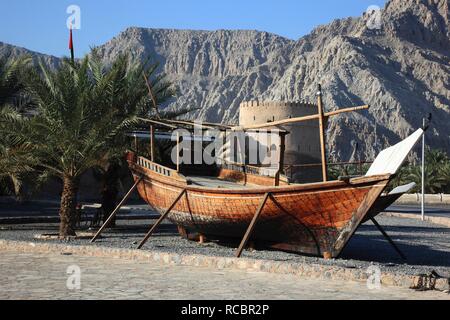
{"x":420,"y":245}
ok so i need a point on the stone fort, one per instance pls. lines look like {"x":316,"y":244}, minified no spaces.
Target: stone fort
{"x":303,"y":142}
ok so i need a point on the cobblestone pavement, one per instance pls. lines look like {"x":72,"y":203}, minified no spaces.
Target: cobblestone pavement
{"x":39,"y":276}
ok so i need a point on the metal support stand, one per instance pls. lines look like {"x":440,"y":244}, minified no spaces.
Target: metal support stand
{"x":111,"y":216}
{"x":251,"y":226}
{"x":388,"y":238}
{"x":152,"y":229}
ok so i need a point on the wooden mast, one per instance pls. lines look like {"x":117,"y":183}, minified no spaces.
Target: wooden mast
{"x":322,"y":120}
{"x":178,"y":152}
{"x":152,"y":143}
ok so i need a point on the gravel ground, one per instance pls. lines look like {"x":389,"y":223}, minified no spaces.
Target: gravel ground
{"x":426,"y":246}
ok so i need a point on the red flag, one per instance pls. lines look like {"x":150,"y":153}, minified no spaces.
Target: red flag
{"x":70,"y":40}
{"x":71,"y":45}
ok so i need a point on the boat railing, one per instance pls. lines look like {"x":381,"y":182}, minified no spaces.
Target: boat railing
{"x":249,"y":169}
{"x":143,"y":162}
{"x":358,"y":167}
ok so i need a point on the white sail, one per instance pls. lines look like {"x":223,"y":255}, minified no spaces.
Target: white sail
{"x":390,"y":160}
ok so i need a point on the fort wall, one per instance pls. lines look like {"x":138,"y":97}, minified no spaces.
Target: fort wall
{"x":303,"y":142}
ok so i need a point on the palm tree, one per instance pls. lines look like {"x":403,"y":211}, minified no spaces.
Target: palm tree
{"x":75,"y":125}
{"x":434,"y":182}
{"x":128,"y":95}
{"x":16,"y":162}
{"x":437,"y":173}
{"x":446,"y":175}
{"x":11,"y":88}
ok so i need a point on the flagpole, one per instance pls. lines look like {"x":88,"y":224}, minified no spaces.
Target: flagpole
{"x":423,"y":173}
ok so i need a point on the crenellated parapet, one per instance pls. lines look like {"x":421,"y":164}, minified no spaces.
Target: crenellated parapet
{"x":277,"y":104}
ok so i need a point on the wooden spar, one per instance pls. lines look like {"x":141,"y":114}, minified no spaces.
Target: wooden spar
{"x":152,"y":143}
{"x":111,"y":216}
{"x":207,"y":125}
{"x":345,"y":110}
{"x":158,"y":122}
{"x":158,"y":222}
{"x":151,"y":94}
{"x":227,"y":126}
{"x":189,"y":123}
{"x":322,"y":121}
{"x":300,"y":119}
{"x":172,"y":124}
{"x":252,"y":226}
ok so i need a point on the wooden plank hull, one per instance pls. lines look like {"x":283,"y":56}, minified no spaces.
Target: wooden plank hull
{"x":315,"y":219}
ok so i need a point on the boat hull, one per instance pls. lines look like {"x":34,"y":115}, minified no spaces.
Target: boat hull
{"x":314,"y":219}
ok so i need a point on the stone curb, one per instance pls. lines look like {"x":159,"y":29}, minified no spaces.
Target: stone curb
{"x":317,"y":271}
{"x":430,"y":199}
{"x":436,"y":220}
{"x":55,"y":219}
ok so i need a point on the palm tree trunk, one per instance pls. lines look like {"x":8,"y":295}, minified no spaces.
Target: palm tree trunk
{"x":110,"y":191}
{"x":68,"y":205}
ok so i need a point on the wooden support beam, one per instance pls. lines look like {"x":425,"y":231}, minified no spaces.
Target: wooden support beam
{"x":252,"y":226}
{"x":400,"y":253}
{"x":158,"y":222}
{"x":111,"y":216}
{"x":322,"y":129}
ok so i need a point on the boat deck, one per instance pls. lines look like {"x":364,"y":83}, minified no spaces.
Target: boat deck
{"x":214,"y":182}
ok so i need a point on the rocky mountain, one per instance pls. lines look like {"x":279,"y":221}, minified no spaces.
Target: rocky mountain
{"x":8,"y":51}
{"x":401,"y":69}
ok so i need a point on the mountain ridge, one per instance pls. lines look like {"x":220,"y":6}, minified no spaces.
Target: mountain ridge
{"x":401,"y":70}
{"x":11,"y":51}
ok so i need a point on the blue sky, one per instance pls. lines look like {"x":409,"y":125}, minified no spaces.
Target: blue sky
{"x":41,"y":25}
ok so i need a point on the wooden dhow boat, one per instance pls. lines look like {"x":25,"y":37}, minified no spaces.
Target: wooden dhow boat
{"x":314,"y":219}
